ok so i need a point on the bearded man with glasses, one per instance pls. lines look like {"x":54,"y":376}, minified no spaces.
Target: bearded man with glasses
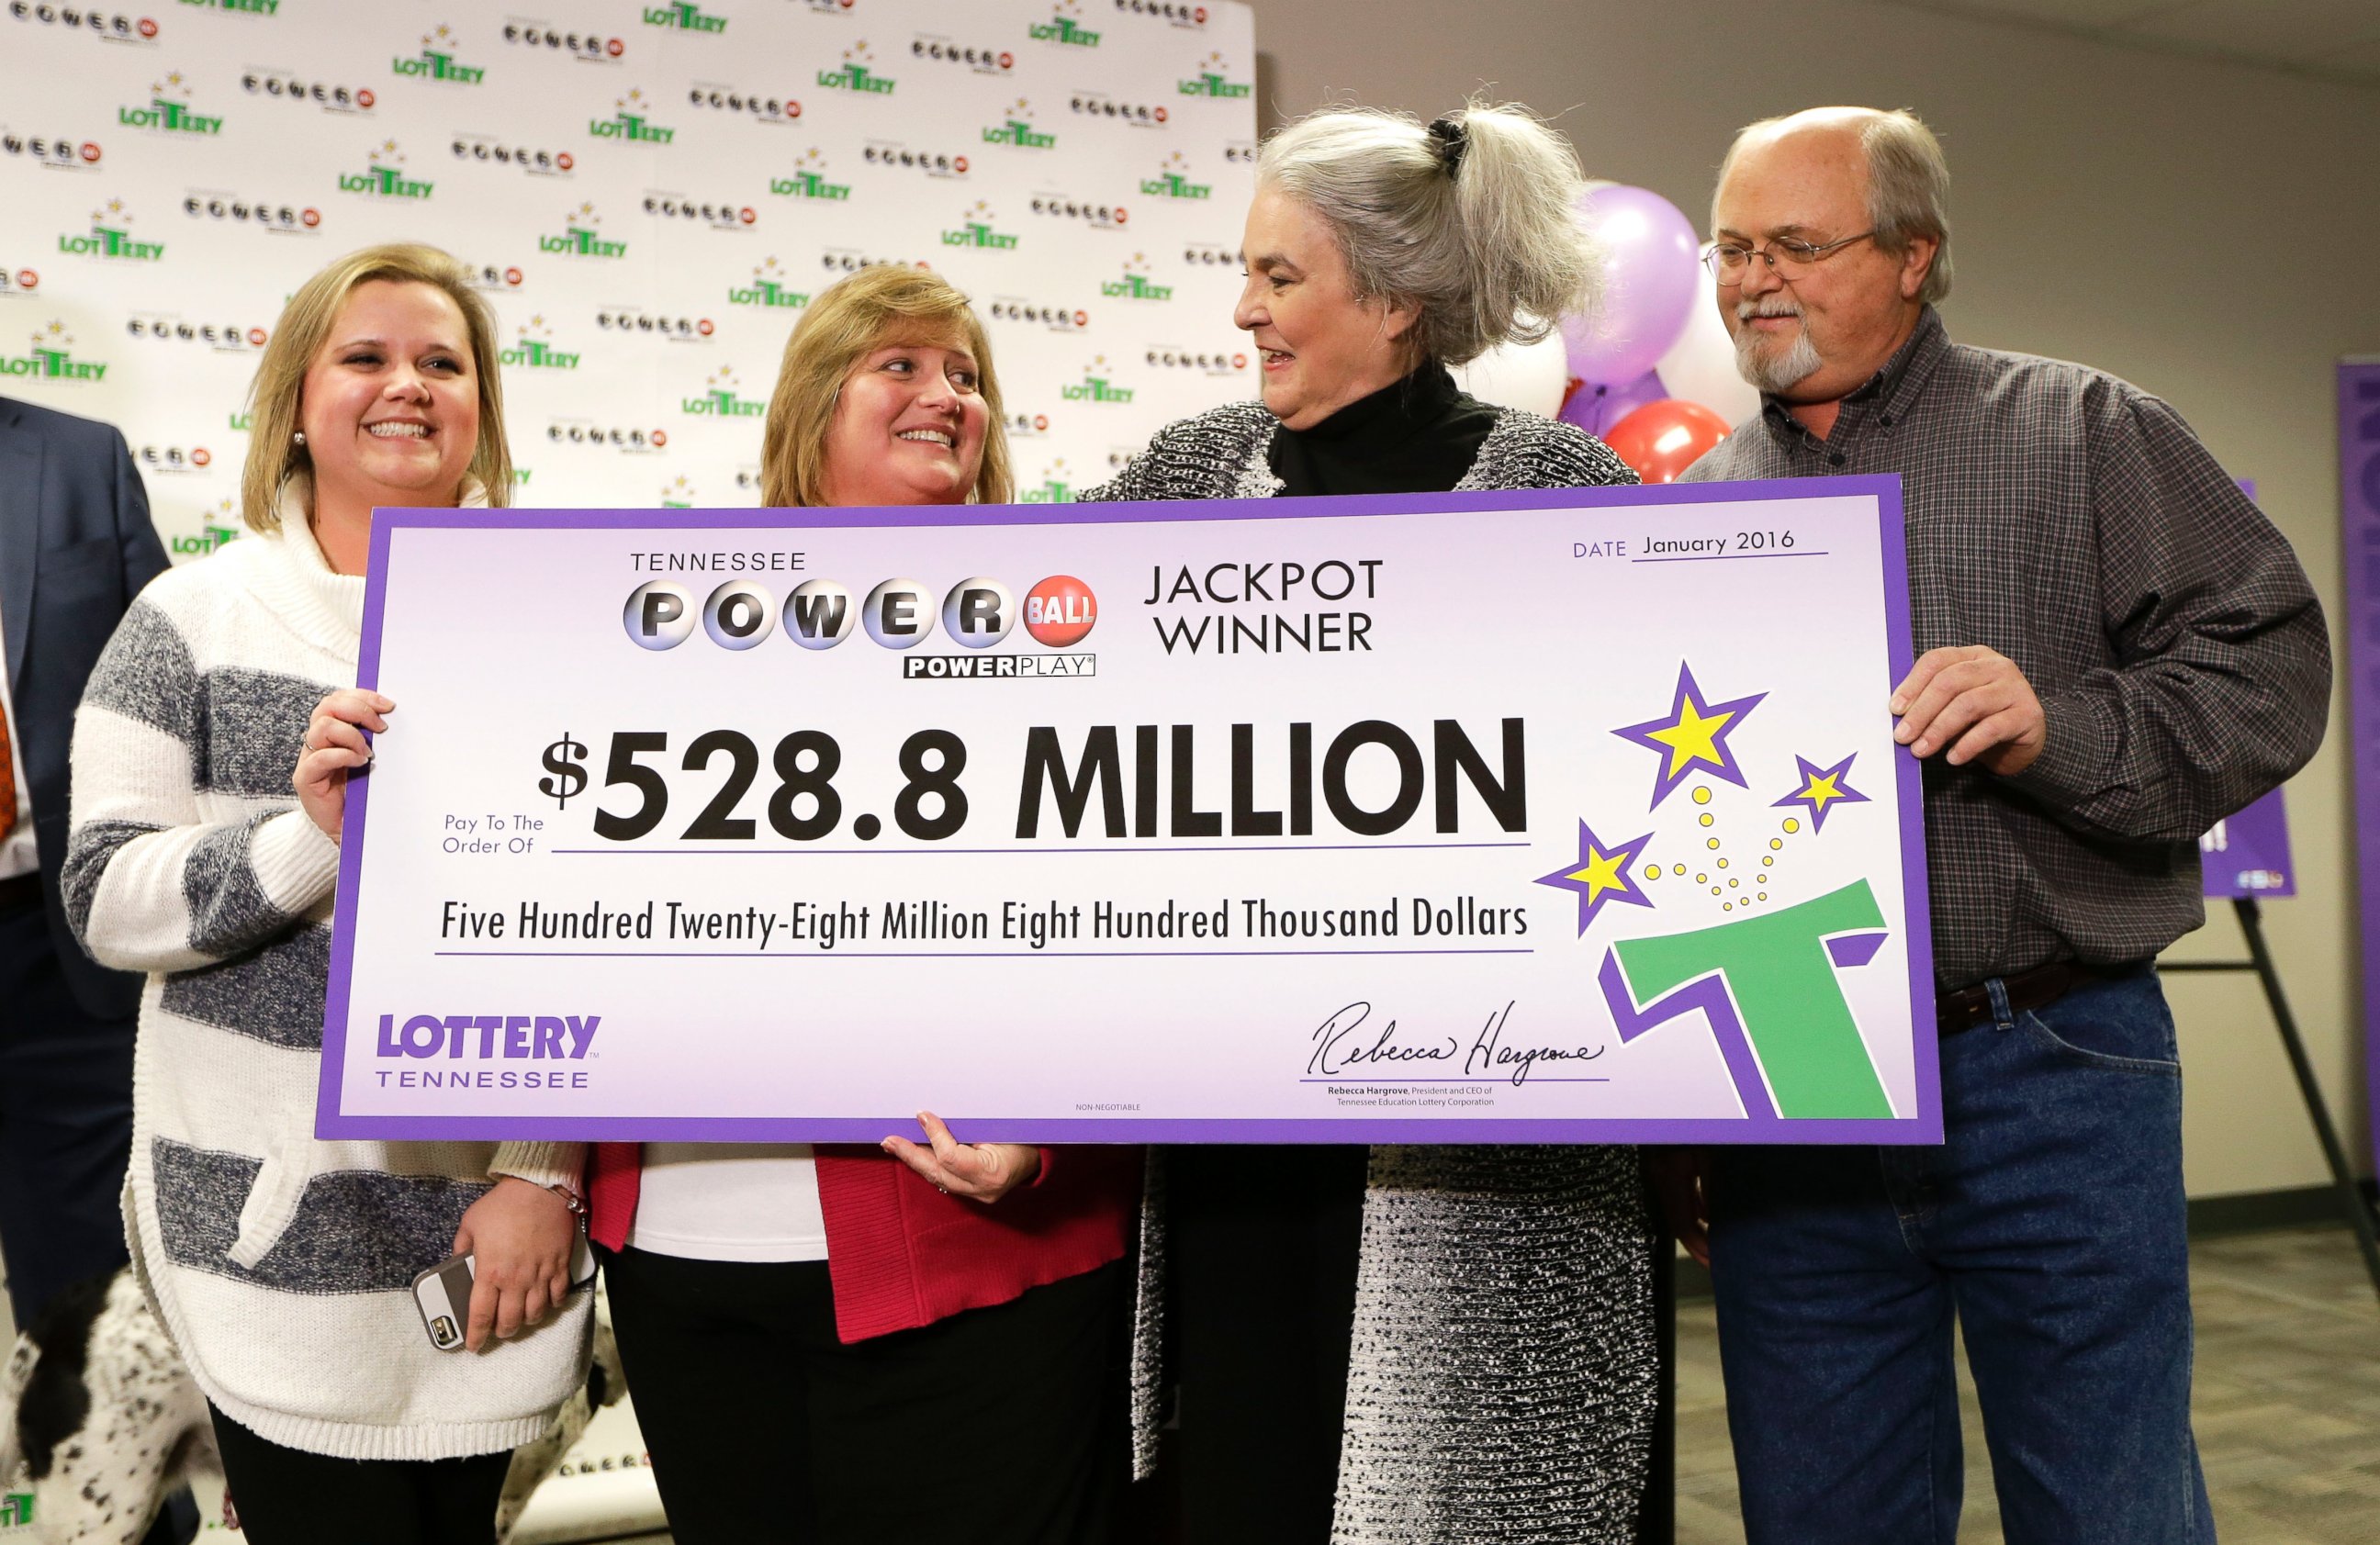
{"x":2116,"y":651}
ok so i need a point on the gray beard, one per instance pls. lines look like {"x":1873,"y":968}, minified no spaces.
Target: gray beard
{"x":1776,"y":373}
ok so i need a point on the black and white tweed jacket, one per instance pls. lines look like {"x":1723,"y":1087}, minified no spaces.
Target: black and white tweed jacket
{"x":1504,"y":1370}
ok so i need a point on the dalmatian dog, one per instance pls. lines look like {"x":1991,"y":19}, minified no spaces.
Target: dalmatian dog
{"x":99,"y":1410}
{"x":103,"y":1415}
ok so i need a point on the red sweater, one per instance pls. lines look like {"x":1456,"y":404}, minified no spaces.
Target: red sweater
{"x":902,"y":1254}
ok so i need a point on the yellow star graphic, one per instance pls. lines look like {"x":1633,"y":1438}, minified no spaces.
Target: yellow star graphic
{"x":1602,"y":873}
{"x":1694,"y":738}
{"x":1821,"y":789}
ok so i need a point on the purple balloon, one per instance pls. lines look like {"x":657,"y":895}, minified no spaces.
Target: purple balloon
{"x":1596,"y":408}
{"x":1652,"y":275}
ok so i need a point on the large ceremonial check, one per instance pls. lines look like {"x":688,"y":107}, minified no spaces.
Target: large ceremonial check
{"x":1538,"y":818}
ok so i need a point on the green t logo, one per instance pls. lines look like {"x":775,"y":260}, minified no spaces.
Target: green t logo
{"x":1768,"y":987}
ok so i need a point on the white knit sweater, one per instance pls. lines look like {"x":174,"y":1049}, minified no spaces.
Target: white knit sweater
{"x":283,"y":1264}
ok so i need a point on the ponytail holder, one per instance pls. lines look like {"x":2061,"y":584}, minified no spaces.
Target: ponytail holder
{"x":1451,"y":142}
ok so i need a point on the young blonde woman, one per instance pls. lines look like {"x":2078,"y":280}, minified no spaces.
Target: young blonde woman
{"x":211,"y":759}
{"x":917,"y":1342}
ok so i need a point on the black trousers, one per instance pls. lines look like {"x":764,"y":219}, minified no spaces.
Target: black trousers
{"x":288,"y":1497}
{"x":65,"y":1134}
{"x":1261,"y":1255}
{"x":999,"y":1426}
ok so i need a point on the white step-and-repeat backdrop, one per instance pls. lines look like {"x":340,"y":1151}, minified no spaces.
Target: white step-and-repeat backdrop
{"x":648,"y":193}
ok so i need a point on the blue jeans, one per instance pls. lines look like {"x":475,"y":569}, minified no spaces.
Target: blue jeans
{"x":2050,"y":1223}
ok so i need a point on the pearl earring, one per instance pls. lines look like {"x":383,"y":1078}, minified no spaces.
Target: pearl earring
{"x":299,"y":437}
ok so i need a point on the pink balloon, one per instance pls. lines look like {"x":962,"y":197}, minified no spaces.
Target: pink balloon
{"x":1652,"y":278}
{"x":1596,"y":408}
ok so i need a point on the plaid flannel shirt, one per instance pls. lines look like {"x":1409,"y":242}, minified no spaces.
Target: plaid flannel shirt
{"x":2074,"y":523}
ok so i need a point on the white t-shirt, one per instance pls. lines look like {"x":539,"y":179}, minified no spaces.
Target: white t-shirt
{"x":730,"y":1202}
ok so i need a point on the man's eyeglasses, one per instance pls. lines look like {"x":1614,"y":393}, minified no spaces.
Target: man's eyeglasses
{"x":1729,"y":261}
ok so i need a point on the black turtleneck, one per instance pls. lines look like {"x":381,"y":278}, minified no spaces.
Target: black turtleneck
{"x":1419,"y":434}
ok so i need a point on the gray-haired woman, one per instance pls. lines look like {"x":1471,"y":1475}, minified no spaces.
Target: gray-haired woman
{"x":1404,"y":1343}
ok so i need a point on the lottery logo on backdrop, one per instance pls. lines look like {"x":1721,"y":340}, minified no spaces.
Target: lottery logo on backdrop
{"x":1135,"y":283}
{"x":807,"y":180}
{"x":1172,"y":183}
{"x":755,"y":107}
{"x":111,"y":238}
{"x":222,"y":338}
{"x":683,"y":17}
{"x":384,"y":176}
{"x":1095,"y":386}
{"x":436,"y":61}
{"x":1098,"y":105}
{"x":534,"y":350}
{"x":716,"y":217}
{"x":169,"y":111}
{"x":767,"y":289}
{"x":628,"y":121}
{"x":1016,"y":129}
{"x":975,"y":229}
{"x":856,"y":73}
{"x":1211,"y":77}
{"x":934,"y":163}
{"x":1055,"y":488}
{"x":581,"y":236}
{"x":243,"y":8}
{"x":51,"y":358}
{"x":720,"y":400}
{"x":1064,"y":27}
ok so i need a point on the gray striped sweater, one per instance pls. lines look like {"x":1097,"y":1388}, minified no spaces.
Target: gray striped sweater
{"x":283,"y":1264}
{"x":1502,"y":1375}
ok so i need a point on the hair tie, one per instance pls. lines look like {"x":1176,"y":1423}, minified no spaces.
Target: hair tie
{"x":1451,"y":142}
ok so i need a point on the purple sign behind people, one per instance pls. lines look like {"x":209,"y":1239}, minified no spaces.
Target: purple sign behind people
{"x":2248,"y":854}
{"x":2358,"y":493}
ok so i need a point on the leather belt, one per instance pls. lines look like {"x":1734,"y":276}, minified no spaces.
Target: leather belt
{"x":18,"y":892}
{"x":2037,"y":988}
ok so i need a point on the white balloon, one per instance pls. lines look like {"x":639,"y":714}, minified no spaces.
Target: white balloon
{"x":1701,"y":368}
{"x":1529,"y":375}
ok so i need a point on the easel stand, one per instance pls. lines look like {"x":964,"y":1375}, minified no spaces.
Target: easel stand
{"x":2260,"y":961}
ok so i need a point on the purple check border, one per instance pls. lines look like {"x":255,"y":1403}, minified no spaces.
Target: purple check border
{"x":1924,"y":1127}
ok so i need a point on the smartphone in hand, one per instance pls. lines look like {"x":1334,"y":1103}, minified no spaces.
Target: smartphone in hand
{"x":443,"y":1293}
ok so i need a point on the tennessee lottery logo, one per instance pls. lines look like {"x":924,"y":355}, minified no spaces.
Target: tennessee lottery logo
{"x":534,"y":350}
{"x":582,"y":236}
{"x":720,"y":398}
{"x":1057,"y":485}
{"x":1059,"y":611}
{"x":384,"y":176}
{"x":1171,"y":181}
{"x":169,"y":111}
{"x":678,"y":493}
{"x":1095,"y":386}
{"x":1135,"y":282}
{"x":1064,"y":27}
{"x":628,"y":121}
{"x":51,"y":358}
{"x":808,"y":179}
{"x":1211,"y":77}
{"x":1015,"y":128}
{"x":680,"y":16}
{"x":769,"y":288}
{"x":856,"y":73}
{"x":975,"y":229}
{"x":111,"y":238}
{"x":437,"y":62}
{"x":1761,"y":963}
